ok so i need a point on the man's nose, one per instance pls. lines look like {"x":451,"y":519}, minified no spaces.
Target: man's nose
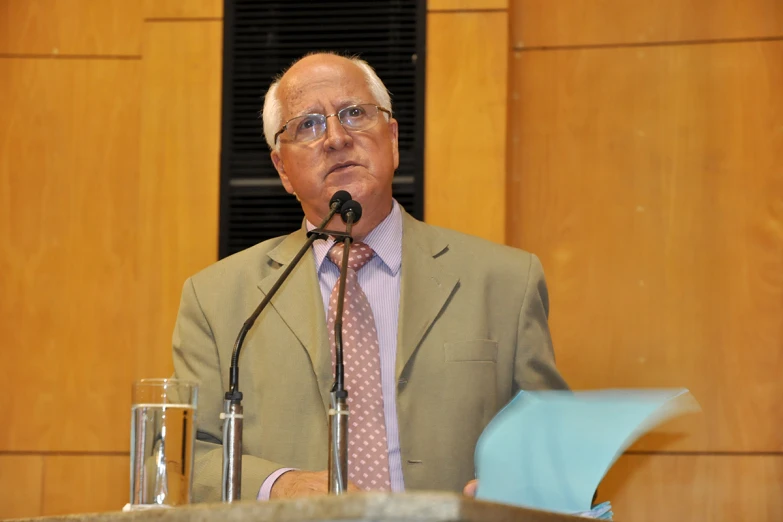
{"x":336,"y":135}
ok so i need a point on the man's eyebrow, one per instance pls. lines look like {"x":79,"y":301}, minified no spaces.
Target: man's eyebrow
{"x":318,"y":108}
{"x":313,"y":109}
{"x":347,"y":103}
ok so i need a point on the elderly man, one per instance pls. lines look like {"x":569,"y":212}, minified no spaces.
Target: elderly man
{"x":446,"y":327}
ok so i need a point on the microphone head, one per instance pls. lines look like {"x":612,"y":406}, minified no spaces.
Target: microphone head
{"x":351,"y":206}
{"x":340,"y":198}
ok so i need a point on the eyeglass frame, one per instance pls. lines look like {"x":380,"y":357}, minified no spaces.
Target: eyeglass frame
{"x":327,"y":116}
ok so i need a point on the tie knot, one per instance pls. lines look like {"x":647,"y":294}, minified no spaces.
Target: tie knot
{"x":357,"y":258}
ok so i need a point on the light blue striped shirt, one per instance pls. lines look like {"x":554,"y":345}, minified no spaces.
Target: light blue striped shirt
{"x":380,"y":280}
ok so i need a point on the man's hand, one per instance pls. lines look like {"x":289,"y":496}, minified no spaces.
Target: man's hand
{"x":470,"y":488}
{"x":304,"y":484}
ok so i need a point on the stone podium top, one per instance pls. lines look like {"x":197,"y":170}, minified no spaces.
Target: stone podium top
{"x":380,"y":507}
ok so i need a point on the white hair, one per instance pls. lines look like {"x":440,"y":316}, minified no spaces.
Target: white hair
{"x":272,"y":112}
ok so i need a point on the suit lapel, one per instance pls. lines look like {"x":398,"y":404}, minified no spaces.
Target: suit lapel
{"x":425,"y":287}
{"x":300,"y":305}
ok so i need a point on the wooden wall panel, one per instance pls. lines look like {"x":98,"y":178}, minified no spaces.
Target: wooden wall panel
{"x":546,"y":23}
{"x":466,"y":5}
{"x":70,"y":27}
{"x":85,"y":484}
{"x":21,"y":479}
{"x":69,"y":139}
{"x":183,"y":9}
{"x":180,"y":172}
{"x":715,"y":488}
{"x":649,"y":181}
{"x":93,"y":252}
{"x":465,"y":156}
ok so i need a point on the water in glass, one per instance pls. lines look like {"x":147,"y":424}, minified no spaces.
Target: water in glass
{"x":162,"y":441}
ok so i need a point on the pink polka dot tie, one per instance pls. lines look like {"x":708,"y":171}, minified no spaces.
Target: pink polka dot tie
{"x":368,"y":458}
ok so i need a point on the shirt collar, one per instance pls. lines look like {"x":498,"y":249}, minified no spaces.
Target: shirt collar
{"x":385,"y":240}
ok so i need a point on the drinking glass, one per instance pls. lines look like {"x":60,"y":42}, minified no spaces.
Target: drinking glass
{"x":162,"y":440}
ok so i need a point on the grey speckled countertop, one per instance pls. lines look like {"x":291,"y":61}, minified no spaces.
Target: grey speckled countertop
{"x":387,"y":507}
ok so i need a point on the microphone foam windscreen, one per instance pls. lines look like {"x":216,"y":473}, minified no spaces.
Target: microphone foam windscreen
{"x":353,"y":206}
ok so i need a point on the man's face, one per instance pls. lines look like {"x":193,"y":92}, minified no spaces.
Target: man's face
{"x":361,"y":162}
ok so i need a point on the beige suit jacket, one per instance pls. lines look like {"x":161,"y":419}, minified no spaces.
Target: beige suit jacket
{"x":472,"y":332}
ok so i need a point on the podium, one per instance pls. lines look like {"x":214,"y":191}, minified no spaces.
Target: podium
{"x":376,"y":507}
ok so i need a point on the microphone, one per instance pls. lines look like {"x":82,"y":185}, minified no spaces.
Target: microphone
{"x":233,"y":412}
{"x":351,"y":212}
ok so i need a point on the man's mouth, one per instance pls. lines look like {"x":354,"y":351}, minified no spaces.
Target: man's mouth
{"x":342,"y":166}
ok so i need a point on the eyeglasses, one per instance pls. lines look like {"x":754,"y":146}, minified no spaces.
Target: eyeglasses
{"x":310,"y":127}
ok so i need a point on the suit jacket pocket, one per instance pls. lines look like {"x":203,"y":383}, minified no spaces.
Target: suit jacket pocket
{"x":475,"y":350}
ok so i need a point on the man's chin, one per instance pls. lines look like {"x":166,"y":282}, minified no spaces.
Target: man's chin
{"x":357,"y":190}
{"x":369,"y":195}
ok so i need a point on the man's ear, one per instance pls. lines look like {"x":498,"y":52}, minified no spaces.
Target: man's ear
{"x":280,"y":167}
{"x":395,"y":150}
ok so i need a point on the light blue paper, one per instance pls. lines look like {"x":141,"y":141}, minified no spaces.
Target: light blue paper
{"x":549,"y":450}
{"x":602,"y":511}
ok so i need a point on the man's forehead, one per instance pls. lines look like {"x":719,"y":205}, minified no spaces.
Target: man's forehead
{"x":312,"y":85}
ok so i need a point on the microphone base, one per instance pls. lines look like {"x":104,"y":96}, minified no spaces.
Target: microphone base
{"x":338,"y":444}
{"x":232,"y":450}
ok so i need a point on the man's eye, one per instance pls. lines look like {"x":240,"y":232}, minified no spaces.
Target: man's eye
{"x":307,"y":123}
{"x":355,"y":112}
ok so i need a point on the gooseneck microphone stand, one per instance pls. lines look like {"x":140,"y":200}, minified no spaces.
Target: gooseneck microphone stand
{"x":232,"y":415}
{"x":338,"y":411}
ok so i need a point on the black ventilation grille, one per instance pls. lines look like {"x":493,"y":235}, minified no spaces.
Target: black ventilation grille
{"x":261,"y":38}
